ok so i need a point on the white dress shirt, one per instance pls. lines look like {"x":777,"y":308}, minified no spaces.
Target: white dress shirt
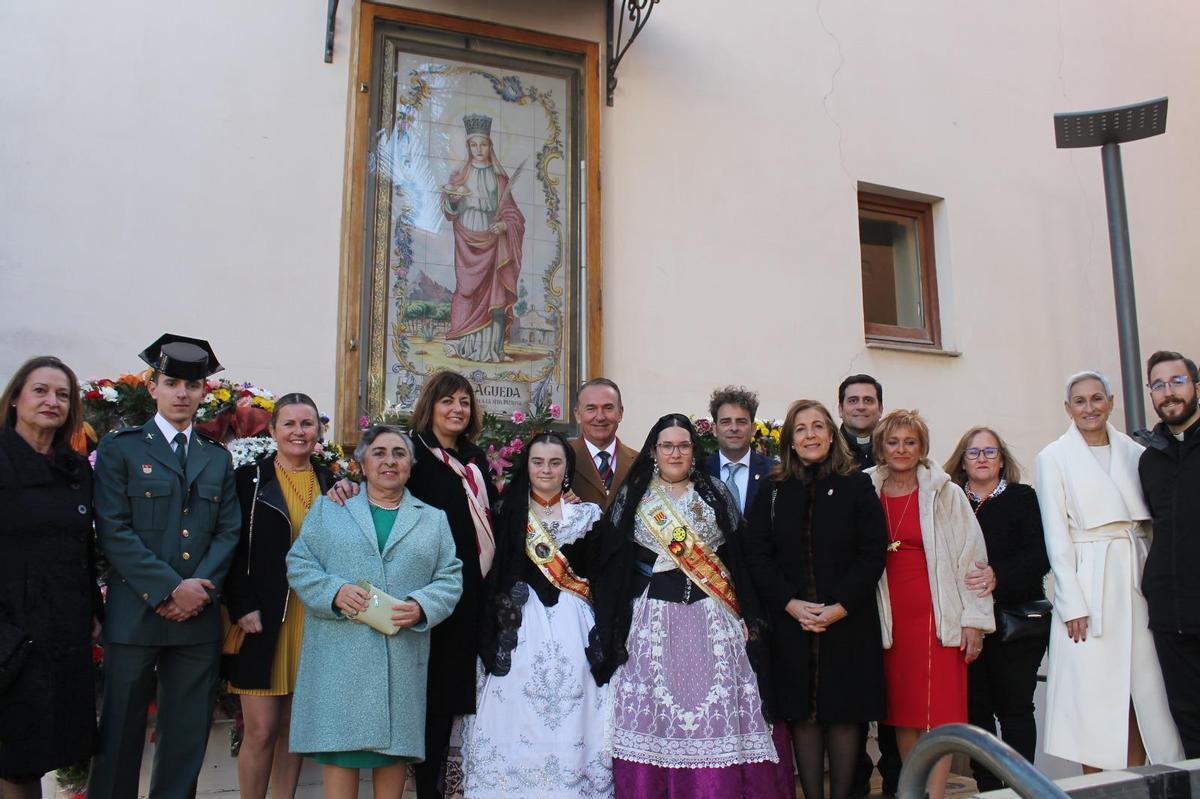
{"x":169,"y":432}
{"x":595,"y":451}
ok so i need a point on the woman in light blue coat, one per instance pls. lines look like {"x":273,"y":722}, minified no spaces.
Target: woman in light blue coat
{"x":360,"y":694}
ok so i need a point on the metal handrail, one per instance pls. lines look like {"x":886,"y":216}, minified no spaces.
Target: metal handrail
{"x":983,"y":747}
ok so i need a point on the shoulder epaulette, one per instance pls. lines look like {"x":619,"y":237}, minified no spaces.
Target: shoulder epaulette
{"x":208,"y":438}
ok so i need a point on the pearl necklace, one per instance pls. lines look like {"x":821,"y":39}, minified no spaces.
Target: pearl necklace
{"x":375,"y":504}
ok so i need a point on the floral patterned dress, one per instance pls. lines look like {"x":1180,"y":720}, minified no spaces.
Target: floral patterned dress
{"x":540,"y":730}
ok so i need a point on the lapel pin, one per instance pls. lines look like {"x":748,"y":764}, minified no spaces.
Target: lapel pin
{"x":831,"y":492}
{"x":757,"y":476}
{"x":147,"y":468}
{"x":149,"y":436}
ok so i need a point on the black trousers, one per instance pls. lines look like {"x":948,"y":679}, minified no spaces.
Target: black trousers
{"x":437,"y":741}
{"x":1179,"y":658}
{"x":889,"y":762}
{"x":1000,"y":686}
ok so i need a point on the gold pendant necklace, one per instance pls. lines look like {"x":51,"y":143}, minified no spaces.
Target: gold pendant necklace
{"x":894,"y":530}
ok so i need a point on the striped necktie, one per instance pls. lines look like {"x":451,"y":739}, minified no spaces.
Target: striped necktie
{"x":605,"y":469}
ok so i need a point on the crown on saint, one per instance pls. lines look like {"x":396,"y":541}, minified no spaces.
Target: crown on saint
{"x":478,"y":124}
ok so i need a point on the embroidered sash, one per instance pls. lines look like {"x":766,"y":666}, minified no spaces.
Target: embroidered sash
{"x":551,"y":562}
{"x":477,"y":503}
{"x":693,"y":557}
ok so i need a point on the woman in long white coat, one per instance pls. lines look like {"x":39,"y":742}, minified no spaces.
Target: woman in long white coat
{"x":1106,"y":705}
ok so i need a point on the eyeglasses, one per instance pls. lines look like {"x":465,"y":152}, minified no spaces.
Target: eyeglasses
{"x":667,"y":448}
{"x":974,"y":453}
{"x":1159,"y":386}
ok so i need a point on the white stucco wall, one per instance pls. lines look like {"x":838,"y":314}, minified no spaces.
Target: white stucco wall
{"x":180,"y":166}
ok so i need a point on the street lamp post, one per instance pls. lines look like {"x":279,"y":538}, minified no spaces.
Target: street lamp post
{"x":1108,"y":129}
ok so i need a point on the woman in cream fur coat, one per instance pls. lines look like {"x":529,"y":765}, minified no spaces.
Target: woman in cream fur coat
{"x":1106,"y":705}
{"x":933,"y":624}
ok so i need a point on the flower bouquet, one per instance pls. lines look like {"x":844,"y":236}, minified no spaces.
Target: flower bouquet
{"x":240,"y":409}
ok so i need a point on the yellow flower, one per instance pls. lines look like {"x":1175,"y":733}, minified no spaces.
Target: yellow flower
{"x":264,"y":403}
{"x":222,"y":394}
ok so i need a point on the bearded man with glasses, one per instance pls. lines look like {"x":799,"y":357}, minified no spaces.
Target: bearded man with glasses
{"x":1170,"y":475}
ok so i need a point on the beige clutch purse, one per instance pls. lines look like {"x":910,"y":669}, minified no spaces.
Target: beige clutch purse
{"x":379,"y":609}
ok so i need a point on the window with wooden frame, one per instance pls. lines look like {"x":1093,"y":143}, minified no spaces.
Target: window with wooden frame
{"x":899,"y":271}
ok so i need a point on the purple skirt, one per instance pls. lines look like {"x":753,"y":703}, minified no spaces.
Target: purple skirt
{"x":764,"y":780}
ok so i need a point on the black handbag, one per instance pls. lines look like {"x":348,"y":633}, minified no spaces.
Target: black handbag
{"x":1021,"y":620}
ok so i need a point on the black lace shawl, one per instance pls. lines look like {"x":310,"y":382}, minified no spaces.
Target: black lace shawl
{"x":615,"y":585}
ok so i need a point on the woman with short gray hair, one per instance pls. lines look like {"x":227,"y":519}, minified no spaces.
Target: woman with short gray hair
{"x":360,"y":697}
{"x":1106,"y":706}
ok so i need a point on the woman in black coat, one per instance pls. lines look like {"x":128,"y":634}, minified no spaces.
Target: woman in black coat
{"x":50,"y":604}
{"x":1000,"y":684}
{"x":274,"y":494}
{"x":451,"y":474}
{"x":815,"y":548}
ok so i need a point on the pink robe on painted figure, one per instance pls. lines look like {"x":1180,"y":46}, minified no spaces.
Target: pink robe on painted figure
{"x":486,"y":265}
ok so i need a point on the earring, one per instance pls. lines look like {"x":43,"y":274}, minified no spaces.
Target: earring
{"x":566,"y":483}
{"x":656,"y":467}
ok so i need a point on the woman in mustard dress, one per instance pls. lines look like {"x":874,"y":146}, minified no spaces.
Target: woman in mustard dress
{"x":275,"y":495}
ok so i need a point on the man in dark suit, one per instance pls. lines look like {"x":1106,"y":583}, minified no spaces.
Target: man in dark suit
{"x":734,"y":463}
{"x":860,"y":404}
{"x":167,"y":519}
{"x":601,"y":461}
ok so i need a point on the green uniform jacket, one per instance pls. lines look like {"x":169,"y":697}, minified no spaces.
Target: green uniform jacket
{"x":158,"y":526}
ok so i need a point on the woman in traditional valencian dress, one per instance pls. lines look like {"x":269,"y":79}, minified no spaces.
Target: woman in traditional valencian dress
{"x":540,"y":719}
{"x":688,"y":713}
{"x":1106,"y":706}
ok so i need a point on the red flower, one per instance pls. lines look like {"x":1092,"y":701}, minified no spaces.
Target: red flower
{"x":92,"y":395}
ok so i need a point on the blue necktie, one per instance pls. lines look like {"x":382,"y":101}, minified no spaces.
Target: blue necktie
{"x":731,"y":471}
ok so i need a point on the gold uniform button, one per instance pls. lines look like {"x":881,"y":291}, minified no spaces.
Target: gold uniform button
{"x":185,"y":510}
{"x":147,"y":494}
{"x":185,"y":534}
{"x":146,"y":596}
{"x":186,"y":556}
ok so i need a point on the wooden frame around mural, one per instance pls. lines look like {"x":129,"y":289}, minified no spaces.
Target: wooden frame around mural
{"x":363,"y":310}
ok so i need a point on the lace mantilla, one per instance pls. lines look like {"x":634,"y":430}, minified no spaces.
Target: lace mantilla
{"x":576,"y":522}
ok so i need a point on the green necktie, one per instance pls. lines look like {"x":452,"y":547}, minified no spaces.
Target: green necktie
{"x":181,"y":451}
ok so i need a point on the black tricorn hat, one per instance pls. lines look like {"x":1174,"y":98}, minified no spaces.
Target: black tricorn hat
{"x":181,"y":357}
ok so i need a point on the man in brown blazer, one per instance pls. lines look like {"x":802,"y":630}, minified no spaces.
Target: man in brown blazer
{"x":601,"y":461}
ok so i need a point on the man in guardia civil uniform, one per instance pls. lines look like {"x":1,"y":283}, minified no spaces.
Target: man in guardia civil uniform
{"x":167,"y":519}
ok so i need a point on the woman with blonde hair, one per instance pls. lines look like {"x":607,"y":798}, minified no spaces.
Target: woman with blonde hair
{"x":933,"y":624}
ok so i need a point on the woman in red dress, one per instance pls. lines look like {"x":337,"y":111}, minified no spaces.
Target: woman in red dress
{"x":933,"y":541}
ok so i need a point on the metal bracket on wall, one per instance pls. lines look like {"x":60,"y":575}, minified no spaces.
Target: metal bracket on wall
{"x":330,"y":20}
{"x":637,"y":12}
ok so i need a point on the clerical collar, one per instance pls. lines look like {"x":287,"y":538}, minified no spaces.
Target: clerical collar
{"x":863,"y":440}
